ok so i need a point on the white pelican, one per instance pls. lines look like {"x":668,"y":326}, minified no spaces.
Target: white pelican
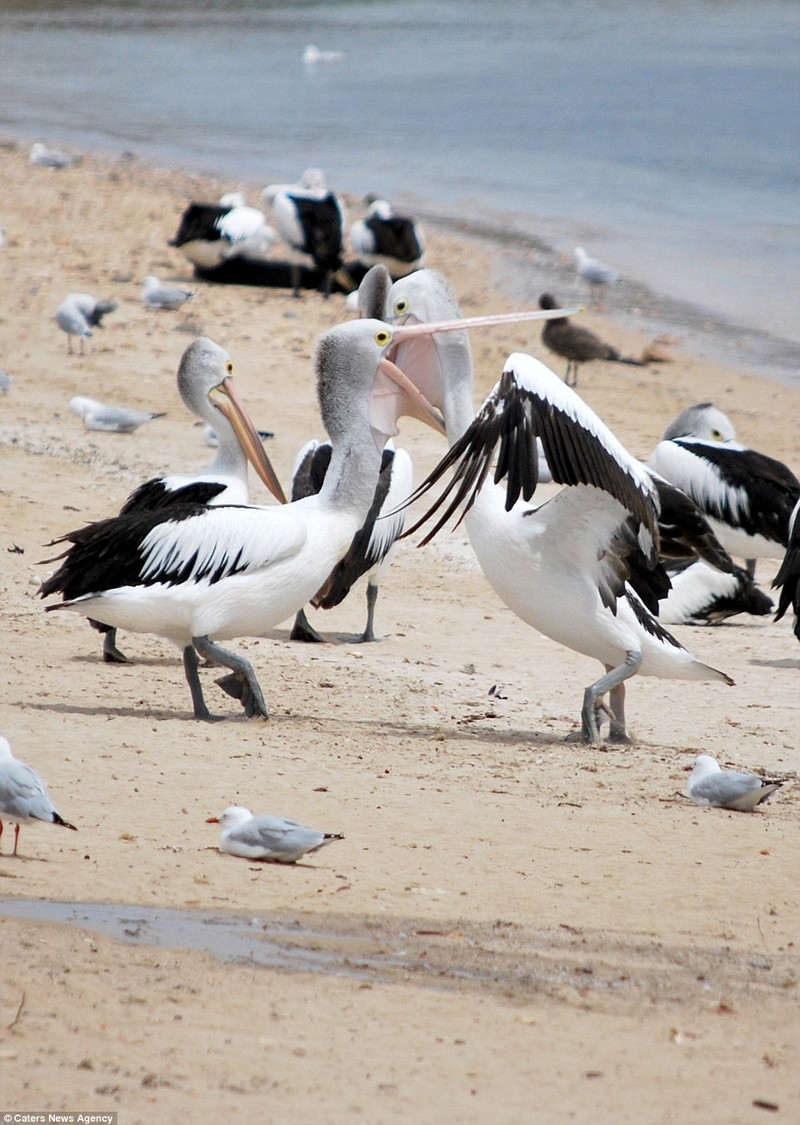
{"x":158,"y":296}
{"x":576,"y":344}
{"x":728,"y":789}
{"x":206,"y":386}
{"x":703,"y":594}
{"x":110,"y":419}
{"x":392,"y":240}
{"x":563,"y":567}
{"x":23,"y":795}
{"x":310,"y":220}
{"x":787,"y":580}
{"x":267,"y":837}
{"x":79,"y":313}
{"x":747,"y":496}
{"x":210,"y":234}
{"x":193,"y":573}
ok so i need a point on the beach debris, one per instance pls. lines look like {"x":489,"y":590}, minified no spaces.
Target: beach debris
{"x":267,"y":837}
{"x":23,"y":795}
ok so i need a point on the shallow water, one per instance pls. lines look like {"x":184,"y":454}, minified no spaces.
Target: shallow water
{"x":662,"y":136}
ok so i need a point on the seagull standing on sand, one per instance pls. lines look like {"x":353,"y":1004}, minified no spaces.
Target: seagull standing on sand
{"x":597,"y":274}
{"x":576,"y":344}
{"x":746,"y":496}
{"x":310,"y":220}
{"x":109,"y":419}
{"x":23,"y":795}
{"x":79,"y":313}
{"x":267,"y":837}
{"x":158,"y":296}
{"x":582,"y":568}
{"x":42,"y":157}
{"x":727,"y":789}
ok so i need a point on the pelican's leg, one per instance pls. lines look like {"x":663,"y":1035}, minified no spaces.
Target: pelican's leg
{"x":369,"y":629}
{"x":303,"y":630}
{"x":242,"y":683}
{"x":590,"y":731}
{"x":750,"y":567}
{"x":327,"y":284}
{"x":190,"y":665}
{"x":295,"y":275}
{"x":111,"y":654}
{"x":617,"y":731}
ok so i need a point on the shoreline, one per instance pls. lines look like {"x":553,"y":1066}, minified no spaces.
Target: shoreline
{"x":640,"y":933}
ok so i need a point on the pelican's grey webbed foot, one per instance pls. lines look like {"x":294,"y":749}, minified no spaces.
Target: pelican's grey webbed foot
{"x":242,"y":683}
{"x":614,"y":677}
{"x":111,"y":654}
{"x":303,"y":630}
{"x":190,"y":665}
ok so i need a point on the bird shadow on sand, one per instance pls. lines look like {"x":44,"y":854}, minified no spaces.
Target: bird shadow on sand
{"x":776,"y":663}
{"x":102,"y":711}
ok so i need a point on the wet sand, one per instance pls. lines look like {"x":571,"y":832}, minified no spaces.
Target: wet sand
{"x":514,"y":929}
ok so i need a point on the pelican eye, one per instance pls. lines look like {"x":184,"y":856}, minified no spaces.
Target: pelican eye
{"x":401,"y":306}
{"x":383,"y":337}
{"x":229,"y":367}
{"x":717,"y":436}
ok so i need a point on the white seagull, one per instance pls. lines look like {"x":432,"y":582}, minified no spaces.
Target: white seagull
{"x":787,"y":580}
{"x":210,"y":234}
{"x":313,"y":55}
{"x":79,"y":313}
{"x":109,"y":419}
{"x":595,"y":273}
{"x":42,"y":157}
{"x":568,"y":567}
{"x":267,"y":837}
{"x":395,"y":241}
{"x":310,"y":220}
{"x":158,"y":296}
{"x":23,"y":795}
{"x":205,"y":383}
{"x":746,"y":496}
{"x":727,"y":789}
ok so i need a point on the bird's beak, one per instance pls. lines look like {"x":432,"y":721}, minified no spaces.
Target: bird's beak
{"x":394,"y":395}
{"x":212,"y":820}
{"x":227,"y":401}
{"x":422,"y":328}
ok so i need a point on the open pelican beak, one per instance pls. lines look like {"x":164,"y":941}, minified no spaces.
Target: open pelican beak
{"x":393,"y":395}
{"x":423,"y":328}
{"x":227,"y":401}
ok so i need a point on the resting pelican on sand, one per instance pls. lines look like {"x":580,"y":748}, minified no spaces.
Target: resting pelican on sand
{"x":310,"y":220}
{"x":210,"y":234}
{"x":205,"y":383}
{"x":394,"y":241}
{"x":746,"y":496}
{"x":582,"y":567}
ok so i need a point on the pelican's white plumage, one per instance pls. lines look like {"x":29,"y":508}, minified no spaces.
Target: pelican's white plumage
{"x":382,"y":237}
{"x":727,"y":789}
{"x":703,"y":594}
{"x":23,"y":795}
{"x":267,"y":837}
{"x":310,"y":220}
{"x":563,"y":567}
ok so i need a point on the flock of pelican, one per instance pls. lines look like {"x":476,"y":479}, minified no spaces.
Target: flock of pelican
{"x":188,"y":558}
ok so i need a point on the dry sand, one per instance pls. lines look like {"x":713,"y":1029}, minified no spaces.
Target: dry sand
{"x":514,"y":929}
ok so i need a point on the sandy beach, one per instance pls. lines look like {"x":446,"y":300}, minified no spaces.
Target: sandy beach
{"x":514,"y":929}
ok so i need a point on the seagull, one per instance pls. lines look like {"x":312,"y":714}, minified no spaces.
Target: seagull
{"x":193,"y":572}
{"x":158,"y":296}
{"x":5,"y":382}
{"x":383,"y":237}
{"x":597,"y":274}
{"x":310,"y":220}
{"x":267,"y":837}
{"x":109,"y":419}
{"x":702,"y":594}
{"x":581,"y":568}
{"x":23,"y":795}
{"x":787,"y":580}
{"x":576,"y":344}
{"x":312,"y":55}
{"x":210,"y":234}
{"x":42,"y":157}
{"x":373,"y":544}
{"x":79,"y":313}
{"x":727,"y":789}
{"x":205,"y":383}
{"x":746,"y":496}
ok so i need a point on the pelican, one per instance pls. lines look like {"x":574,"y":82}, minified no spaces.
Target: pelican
{"x":192,"y":573}
{"x":728,"y":789}
{"x":577,"y":344}
{"x":703,"y":594}
{"x":210,"y":234}
{"x":564,"y":567}
{"x":787,"y":580}
{"x":158,"y":296}
{"x":23,"y":795}
{"x":310,"y":220}
{"x":205,"y":383}
{"x":267,"y":837}
{"x":383,"y":237}
{"x":746,"y":496}
{"x":79,"y":313}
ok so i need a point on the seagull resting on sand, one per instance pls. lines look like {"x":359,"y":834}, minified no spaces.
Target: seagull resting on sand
{"x":727,"y":789}
{"x":267,"y":837}
{"x":158,"y":296}
{"x":109,"y":419}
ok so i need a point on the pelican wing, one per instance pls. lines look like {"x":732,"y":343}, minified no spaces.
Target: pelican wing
{"x":531,"y":402}
{"x":684,"y":531}
{"x":788,"y":577}
{"x":154,"y":494}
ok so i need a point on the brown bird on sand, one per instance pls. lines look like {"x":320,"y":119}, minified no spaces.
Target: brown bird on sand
{"x":577,"y":345}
